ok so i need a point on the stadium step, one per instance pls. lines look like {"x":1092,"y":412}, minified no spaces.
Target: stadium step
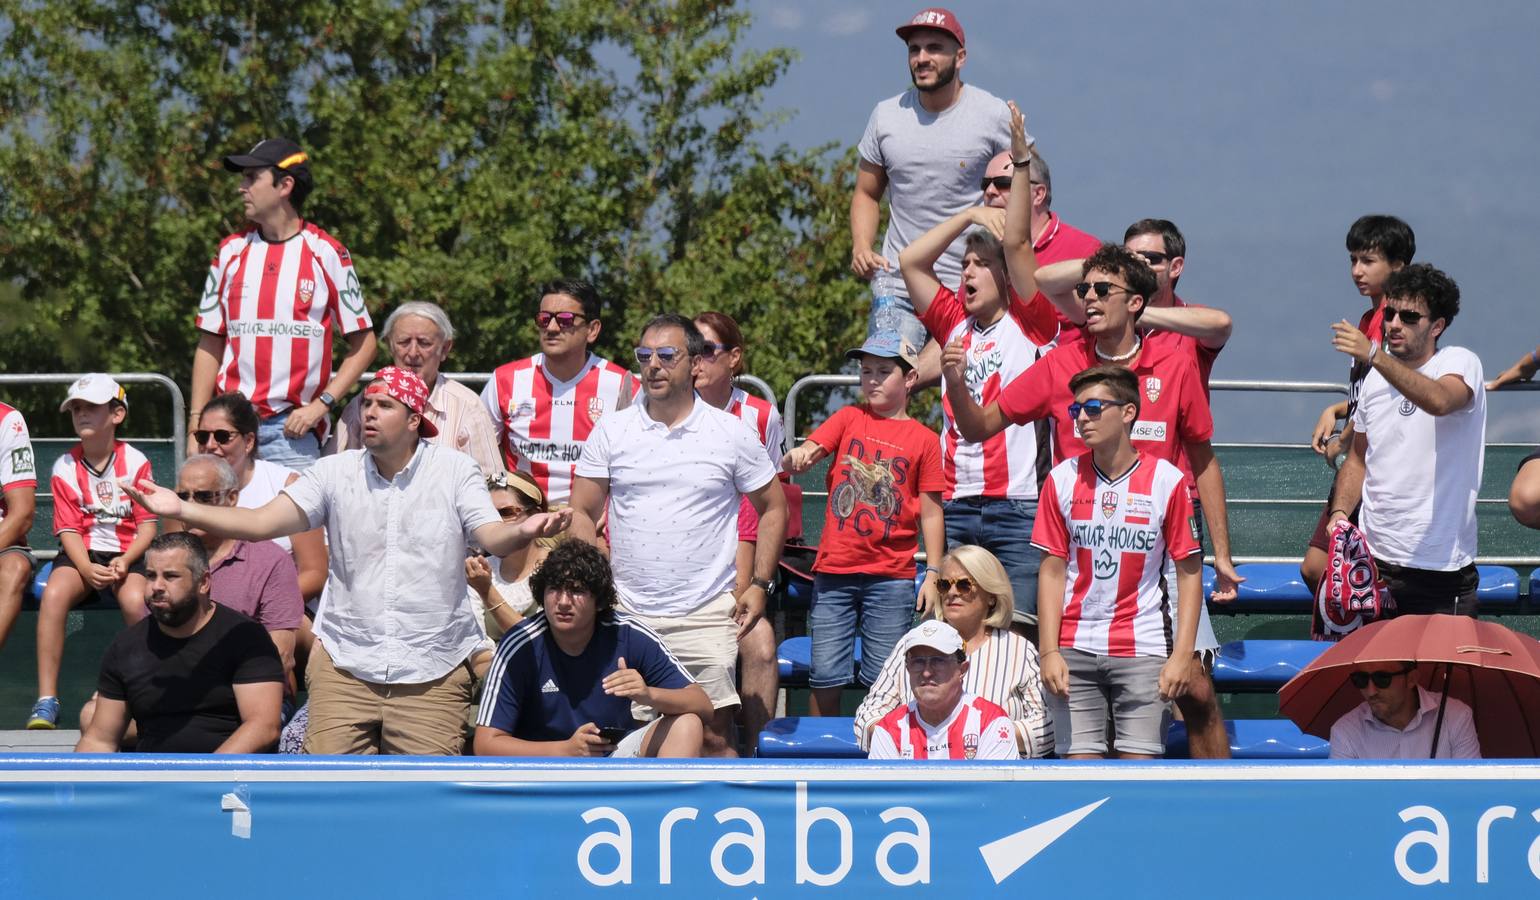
{"x":810,"y":737}
{"x":1271,"y":739}
{"x":1262,"y":665}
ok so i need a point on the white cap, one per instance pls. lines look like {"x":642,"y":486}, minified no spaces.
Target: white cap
{"x":94,"y":388}
{"x":933,"y":633}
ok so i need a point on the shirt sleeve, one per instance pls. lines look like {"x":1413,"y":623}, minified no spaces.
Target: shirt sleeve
{"x":211,"y":306}
{"x":1027,"y":397}
{"x":658,"y":667}
{"x":751,"y":467}
{"x":931,"y":477}
{"x":882,"y":746}
{"x":1002,"y":129}
{"x":310,"y":494}
{"x":830,"y":434}
{"x":18,"y":467}
{"x":943,"y":314}
{"x":347,"y":295}
{"x":67,"y":515}
{"x":1038,"y":318}
{"x":109,"y":682}
{"x":280,"y":605}
{"x":1033,"y":724}
{"x":998,"y":740}
{"x":595,"y":461}
{"x":139,"y":515}
{"x":481,"y":441}
{"x":1195,"y":419}
{"x":1341,"y":743}
{"x":870,"y":146}
{"x":1050,"y":533}
{"x":1468,"y":367}
{"x":1463,"y":743}
{"x":775,"y":438}
{"x":257,"y":659}
{"x":887,"y":693}
{"x":510,"y":669}
{"x":472,"y":498}
{"x":1180,"y":526}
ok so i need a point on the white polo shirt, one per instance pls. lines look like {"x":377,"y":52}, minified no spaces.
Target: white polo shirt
{"x":396,"y":609}
{"x":674,"y":495}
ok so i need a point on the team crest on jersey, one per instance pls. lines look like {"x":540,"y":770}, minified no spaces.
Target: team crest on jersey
{"x":1152,"y":388}
{"x":306,"y":290}
{"x":1109,"y":503}
{"x":970,"y":746}
{"x":521,"y":409}
{"x":595,"y":408}
{"x":106,"y":492}
{"x":983,"y":347}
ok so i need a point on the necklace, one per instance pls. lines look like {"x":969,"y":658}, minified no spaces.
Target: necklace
{"x":1121,"y":357}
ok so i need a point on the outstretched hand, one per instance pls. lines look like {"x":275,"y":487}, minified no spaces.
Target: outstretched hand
{"x":162,"y":501}
{"x":1021,"y":142}
{"x":547,"y":524}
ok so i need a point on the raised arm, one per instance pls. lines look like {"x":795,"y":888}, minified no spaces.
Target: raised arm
{"x":1057,"y":282}
{"x":1208,"y":326}
{"x":1439,"y":397}
{"x":917,"y":262}
{"x":278,"y":517}
{"x":502,"y":538}
{"x":1020,"y":260}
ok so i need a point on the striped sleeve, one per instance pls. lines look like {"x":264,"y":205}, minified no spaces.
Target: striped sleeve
{"x":67,"y":515}
{"x":500,"y":698}
{"x":1026,"y":707}
{"x":141,"y":516}
{"x":882,"y":745}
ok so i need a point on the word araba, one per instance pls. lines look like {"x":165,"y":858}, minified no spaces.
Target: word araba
{"x":1438,"y":840}
{"x":752,"y":837}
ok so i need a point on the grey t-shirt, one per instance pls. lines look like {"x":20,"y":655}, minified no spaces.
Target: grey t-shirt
{"x":934,"y":163}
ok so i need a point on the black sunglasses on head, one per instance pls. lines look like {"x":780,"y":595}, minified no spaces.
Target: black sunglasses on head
{"x":1102,"y":288}
{"x":1381,"y":680}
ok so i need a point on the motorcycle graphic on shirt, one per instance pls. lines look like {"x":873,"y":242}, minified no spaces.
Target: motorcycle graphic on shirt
{"x":869,"y":484}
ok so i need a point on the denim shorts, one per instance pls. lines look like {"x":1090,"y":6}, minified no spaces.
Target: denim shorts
{"x":1004,"y":528}
{"x":1125,"y":687}
{"x":884,"y":610}
{"x":274,"y":446}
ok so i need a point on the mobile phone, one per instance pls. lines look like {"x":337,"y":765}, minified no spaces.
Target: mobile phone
{"x":612,"y":734}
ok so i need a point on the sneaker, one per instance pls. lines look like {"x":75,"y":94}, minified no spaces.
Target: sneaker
{"x":45,"y":714}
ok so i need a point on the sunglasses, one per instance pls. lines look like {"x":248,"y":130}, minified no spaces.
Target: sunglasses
{"x":1001,"y":183}
{"x":963,"y":585}
{"x":713,"y":348}
{"x":205,"y":497}
{"x":667,"y":356}
{"x":1092,"y":408}
{"x":1381,"y":680}
{"x":1407,"y":316}
{"x":1102,"y":288}
{"x":934,"y":663}
{"x":1153,"y":257}
{"x":221,"y":436}
{"x":512,"y":513}
{"x":563,"y":320}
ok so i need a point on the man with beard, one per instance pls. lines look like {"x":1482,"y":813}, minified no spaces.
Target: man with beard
{"x":197,"y":677}
{"x":1416,"y":458}
{"x":928,"y":148}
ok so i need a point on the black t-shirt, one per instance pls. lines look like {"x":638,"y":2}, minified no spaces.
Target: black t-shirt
{"x":181,"y":690}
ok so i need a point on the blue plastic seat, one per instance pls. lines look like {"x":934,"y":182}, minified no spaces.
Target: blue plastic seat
{"x":810,"y":737}
{"x":1499,"y":589}
{"x":1262,"y":665}
{"x":33,"y":595}
{"x":1256,"y":739}
{"x":795,"y":660}
{"x":1270,"y":587}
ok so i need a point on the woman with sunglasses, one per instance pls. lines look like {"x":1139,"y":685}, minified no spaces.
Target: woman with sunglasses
{"x":499,"y":588}
{"x":720,"y":364}
{"x":227,"y":428}
{"x":974,"y":597}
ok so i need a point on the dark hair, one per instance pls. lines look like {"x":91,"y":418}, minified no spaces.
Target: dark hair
{"x":1119,"y":380}
{"x":1425,"y":283}
{"x":694,"y":341}
{"x":727,"y":329}
{"x":197,"y":555}
{"x":239,"y":410}
{"x":1387,"y":234}
{"x":1170,"y":235}
{"x":582,"y":291}
{"x":1115,"y":259}
{"x":575,"y":565}
{"x":302,"y":185}
{"x":992,"y":254}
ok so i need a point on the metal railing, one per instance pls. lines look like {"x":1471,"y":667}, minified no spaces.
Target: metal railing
{"x":178,"y":437}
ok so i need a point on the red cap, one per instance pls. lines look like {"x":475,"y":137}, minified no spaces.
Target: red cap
{"x":935,"y":18}
{"x":404,"y":385}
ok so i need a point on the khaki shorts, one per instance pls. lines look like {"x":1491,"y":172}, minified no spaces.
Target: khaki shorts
{"x":351,"y":716}
{"x":705,"y":642}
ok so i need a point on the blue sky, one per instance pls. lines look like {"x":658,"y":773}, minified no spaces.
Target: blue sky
{"x":1263,"y":130}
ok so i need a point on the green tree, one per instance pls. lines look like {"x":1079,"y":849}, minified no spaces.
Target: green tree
{"x":464,"y":151}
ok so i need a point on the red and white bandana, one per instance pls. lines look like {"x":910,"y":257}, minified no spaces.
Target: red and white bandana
{"x":404,"y":385}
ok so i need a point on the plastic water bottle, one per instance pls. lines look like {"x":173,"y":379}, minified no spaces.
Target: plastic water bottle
{"x":884,"y":314}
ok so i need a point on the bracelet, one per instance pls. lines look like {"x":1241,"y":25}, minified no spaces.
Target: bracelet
{"x":1335,"y":511}
{"x":1048,"y":651}
{"x":497,"y":607}
{"x":1021,"y":163}
{"x":933,"y":569}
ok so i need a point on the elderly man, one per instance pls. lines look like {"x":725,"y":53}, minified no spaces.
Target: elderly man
{"x":1397,"y":719}
{"x":942,"y":721}
{"x":390,"y":672}
{"x":18,"y":502}
{"x":257,"y":579}
{"x":420,"y":336}
{"x":195,"y":676}
{"x":564,"y":680}
{"x":274,"y":294}
{"x":671,"y":470}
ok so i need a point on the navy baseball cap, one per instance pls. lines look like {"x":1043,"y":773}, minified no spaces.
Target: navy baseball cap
{"x":281,"y":153}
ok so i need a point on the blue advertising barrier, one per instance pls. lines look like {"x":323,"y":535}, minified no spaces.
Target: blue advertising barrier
{"x":260,"y":828}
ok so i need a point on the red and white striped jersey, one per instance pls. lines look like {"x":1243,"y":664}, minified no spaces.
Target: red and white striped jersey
{"x":92,"y":504}
{"x":18,"y":468}
{"x":276,"y":305}
{"x":1115,"y":536}
{"x":762,"y":416}
{"x":976,"y":729}
{"x":542,"y":423}
{"x":1010,"y":464}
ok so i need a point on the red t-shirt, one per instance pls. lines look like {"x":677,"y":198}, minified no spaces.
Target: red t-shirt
{"x":879,"y":468}
{"x":1058,"y":242}
{"x":1372,"y":324}
{"x":1204,"y":356}
{"x":1173,"y":406}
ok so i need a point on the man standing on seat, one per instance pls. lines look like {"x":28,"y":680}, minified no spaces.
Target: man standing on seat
{"x":545,"y":406}
{"x":1417,"y":453}
{"x":671,"y":469}
{"x":927,"y":148}
{"x":274,"y":293}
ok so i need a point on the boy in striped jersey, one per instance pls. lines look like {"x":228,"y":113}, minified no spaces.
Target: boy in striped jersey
{"x":102,"y":532}
{"x":1108,"y":521}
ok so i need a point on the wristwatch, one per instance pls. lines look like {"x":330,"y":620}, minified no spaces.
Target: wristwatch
{"x":328,"y":399}
{"x":764,"y":584}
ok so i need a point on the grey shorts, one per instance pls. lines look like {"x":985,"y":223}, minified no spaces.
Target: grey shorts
{"x":1124,"y":688}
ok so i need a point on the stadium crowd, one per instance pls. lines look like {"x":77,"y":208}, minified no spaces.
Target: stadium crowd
{"x":588,"y":547}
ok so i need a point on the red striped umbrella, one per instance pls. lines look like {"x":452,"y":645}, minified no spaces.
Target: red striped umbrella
{"x":1493,"y":669}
